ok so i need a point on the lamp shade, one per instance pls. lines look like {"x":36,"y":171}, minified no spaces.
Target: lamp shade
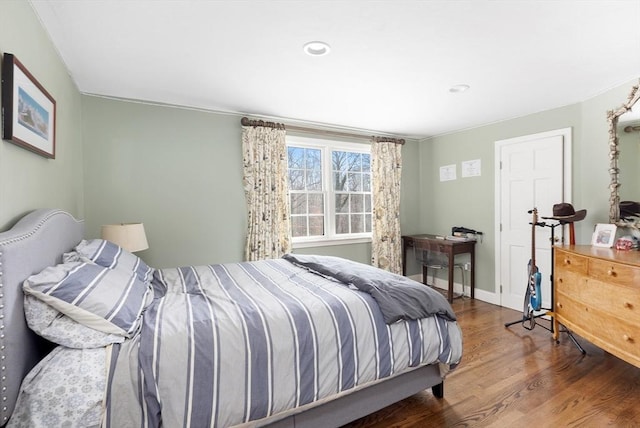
{"x":129,"y":236}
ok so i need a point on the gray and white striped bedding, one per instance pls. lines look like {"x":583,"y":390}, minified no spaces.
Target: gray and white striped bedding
{"x":226,"y":344}
{"x":107,"y":300}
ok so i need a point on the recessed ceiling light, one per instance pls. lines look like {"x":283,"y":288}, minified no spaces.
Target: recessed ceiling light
{"x":459,"y":88}
{"x":317,"y":48}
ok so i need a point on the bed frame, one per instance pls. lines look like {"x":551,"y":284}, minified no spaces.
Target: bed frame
{"x":41,"y":237}
{"x":36,"y":241}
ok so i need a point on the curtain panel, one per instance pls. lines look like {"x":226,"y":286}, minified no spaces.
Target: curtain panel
{"x":266,"y":191}
{"x":386,"y":170}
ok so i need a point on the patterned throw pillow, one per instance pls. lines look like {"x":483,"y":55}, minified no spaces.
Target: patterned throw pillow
{"x":65,"y":389}
{"x":111,"y":301}
{"x":58,"y":328}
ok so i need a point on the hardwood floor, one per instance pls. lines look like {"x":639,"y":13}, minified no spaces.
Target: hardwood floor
{"x":513,"y":377}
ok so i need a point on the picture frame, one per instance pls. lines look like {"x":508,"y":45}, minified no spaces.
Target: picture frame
{"x":28,"y":110}
{"x":604,"y":235}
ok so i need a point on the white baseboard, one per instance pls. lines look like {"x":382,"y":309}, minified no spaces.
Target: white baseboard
{"x":485,"y":296}
{"x":443,"y":284}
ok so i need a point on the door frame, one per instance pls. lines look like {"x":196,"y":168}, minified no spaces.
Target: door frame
{"x":567,"y":162}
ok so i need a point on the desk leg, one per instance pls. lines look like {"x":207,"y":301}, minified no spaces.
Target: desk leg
{"x":404,"y":257}
{"x":473,"y":272}
{"x":450,"y":291}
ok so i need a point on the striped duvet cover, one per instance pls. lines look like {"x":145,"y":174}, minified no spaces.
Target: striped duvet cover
{"x":227,"y":344}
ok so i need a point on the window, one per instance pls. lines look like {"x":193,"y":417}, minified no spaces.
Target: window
{"x":330,"y":190}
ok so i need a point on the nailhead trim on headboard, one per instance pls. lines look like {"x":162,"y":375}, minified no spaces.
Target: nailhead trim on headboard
{"x":26,"y":230}
{"x":3,"y":368}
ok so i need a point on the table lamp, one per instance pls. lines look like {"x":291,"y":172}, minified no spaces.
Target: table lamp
{"x":129,"y":236}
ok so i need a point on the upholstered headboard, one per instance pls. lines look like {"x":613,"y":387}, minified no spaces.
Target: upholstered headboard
{"x":36,"y":241}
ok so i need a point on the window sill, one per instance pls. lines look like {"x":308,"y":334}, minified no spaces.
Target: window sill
{"x":330,"y":242}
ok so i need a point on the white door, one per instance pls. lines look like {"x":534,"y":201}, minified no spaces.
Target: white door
{"x":532,"y":173}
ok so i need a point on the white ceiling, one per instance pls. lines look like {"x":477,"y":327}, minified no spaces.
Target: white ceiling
{"x":391,"y":65}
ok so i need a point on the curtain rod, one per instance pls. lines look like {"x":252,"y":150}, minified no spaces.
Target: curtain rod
{"x":245,"y":121}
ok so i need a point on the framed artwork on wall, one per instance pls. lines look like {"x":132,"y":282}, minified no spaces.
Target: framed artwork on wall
{"x":28,"y":110}
{"x":604,"y":235}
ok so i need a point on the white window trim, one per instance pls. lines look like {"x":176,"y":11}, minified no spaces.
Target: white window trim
{"x":326,"y":145}
{"x":327,"y":242}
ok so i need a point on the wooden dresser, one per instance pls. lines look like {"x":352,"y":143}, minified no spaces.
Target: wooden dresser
{"x":597,"y":296}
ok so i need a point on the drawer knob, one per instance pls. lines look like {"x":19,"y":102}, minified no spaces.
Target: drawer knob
{"x":567,"y":261}
{"x":559,"y":305}
{"x":627,"y":338}
{"x":628,"y":305}
{"x":611,"y":272}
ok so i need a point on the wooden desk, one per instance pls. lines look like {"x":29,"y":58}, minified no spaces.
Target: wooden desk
{"x":428,"y":242}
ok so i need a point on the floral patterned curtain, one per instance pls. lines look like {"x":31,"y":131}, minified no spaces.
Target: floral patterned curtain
{"x":386,"y":169}
{"x":265,"y":186}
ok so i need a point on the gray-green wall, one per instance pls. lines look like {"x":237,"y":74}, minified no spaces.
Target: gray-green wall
{"x":470,"y":201}
{"x":180,"y":172}
{"x":29,"y":181}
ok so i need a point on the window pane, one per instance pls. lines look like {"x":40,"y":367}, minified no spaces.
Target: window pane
{"x":316,"y":225}
{"x":367,"y":203}
{"x":355,"y":184}
{"x":366,"y":162}
{"x":340,"y":181}
{"x":342,"y":203}
{"x":296,"y":179}
{"x":339,"y":161}
{"x":367,"y":223}
{"x":298,"y":226}
{"x":366,"y":182}
{"x":357,"y":203}
{"x":316,"y":203}
{"x":314,"y":159}
{"x":314,"y":180}
{"x":357,"y":224}
{"x":295,"y":157}
{"x":342,"y":223}
{"x":298,"y":203}
{"x":354,"y":162}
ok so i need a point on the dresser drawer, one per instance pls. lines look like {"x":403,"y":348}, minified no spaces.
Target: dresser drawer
{"x":616,"y":300}
{"x":570,"y":312}
{"x":619,"y":336}
{"x":615,"y":273}
{"x":570,"y":262}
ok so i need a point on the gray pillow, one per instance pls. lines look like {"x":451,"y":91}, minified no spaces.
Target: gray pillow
{"x":110,"y":255}
{"x":111,"y":301}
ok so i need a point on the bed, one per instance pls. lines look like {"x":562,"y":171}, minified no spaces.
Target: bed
{"x":277,"y":372}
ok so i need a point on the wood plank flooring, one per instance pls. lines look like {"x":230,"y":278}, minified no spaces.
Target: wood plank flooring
{"x":513,"y":377}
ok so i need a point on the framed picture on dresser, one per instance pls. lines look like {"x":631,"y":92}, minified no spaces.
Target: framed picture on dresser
{"x":604,"y":235}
